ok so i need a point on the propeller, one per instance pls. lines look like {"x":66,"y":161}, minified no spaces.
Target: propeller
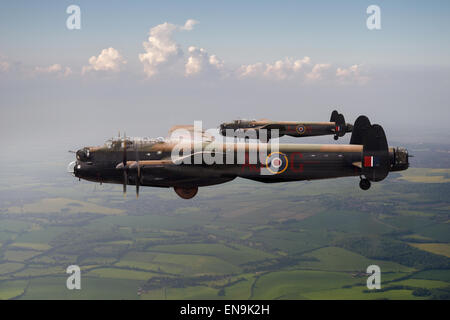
{"x":138,"y":167}
{"x":125,"y":168}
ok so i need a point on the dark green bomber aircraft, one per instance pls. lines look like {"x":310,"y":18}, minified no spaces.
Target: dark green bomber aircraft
{"x":150,"y":162}
{"x":335,"y":126}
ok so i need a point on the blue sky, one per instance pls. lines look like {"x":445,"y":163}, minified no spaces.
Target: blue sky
{"x":285,"y":60}
{"x":413,"y":32}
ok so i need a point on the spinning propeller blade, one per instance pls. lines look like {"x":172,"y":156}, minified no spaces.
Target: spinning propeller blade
{"x":124,"y":161}
{"x":138,"y":177}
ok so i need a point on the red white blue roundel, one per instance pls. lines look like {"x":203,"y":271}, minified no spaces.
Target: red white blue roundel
{"x":300,"y":129}
{"x":276,"y":162}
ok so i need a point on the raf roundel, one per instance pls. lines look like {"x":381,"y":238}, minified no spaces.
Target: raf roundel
{"x":300,"y":129}
{"x":276,"y":162}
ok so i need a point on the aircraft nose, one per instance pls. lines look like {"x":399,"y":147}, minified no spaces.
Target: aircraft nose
{"x":83,"y":154}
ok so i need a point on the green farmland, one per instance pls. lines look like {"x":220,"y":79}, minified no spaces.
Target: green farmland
{"x":241,"y":240}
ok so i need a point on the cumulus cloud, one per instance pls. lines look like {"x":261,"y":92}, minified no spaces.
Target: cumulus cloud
{"x":200,"y":61}
{"x":189,"y":25}
{"x":162,"y":52}
{"x":279,"y":70}
{"x":108,"y":60}
{"x":317,"y":71}
{"x":302,"y":70}
{"x":4,"y":66}
{"x":5,"y":63}
{"x":55,"y":69}
{"x":252,"y":69}
{"x":164,"y":55}
{"x":353,"y":74}
{"x":160,"y":47}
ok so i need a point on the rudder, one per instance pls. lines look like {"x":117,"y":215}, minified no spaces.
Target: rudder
{"x":360,"y":129}
{"x":375,"y":161}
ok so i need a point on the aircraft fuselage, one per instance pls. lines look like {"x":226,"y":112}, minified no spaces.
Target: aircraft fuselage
{"x":297,"y":162}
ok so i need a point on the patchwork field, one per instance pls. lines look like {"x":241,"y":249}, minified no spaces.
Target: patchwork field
{"x":437,"y":248}
{"x":62,"y":206}
{"x":242,"y":240}
{"x":426,"y":175}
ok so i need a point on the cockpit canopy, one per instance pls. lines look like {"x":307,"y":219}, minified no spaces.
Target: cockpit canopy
{"x":117,"y":143}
